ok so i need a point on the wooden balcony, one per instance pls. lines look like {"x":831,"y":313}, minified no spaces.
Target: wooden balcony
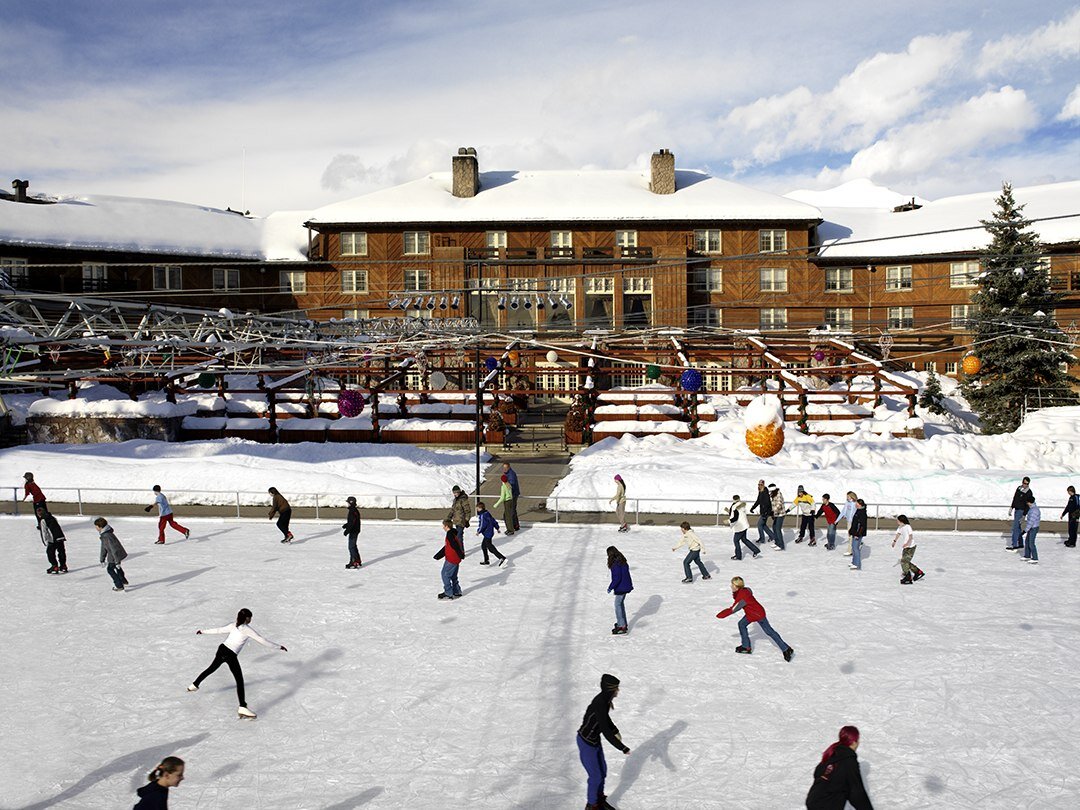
{"x":559,"y":253}
{"x":598,"y":253}
{"x":636,"y":253}
{"x":520,"y":254}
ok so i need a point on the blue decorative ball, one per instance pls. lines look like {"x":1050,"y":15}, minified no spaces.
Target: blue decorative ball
{"x":491,"y":364}
{"x":691,"y":380}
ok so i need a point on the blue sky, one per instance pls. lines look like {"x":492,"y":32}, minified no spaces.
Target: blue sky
{"x":294,"y":105}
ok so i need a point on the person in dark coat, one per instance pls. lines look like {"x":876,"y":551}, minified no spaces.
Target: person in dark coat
{"x":621,"y":584}
{"x":453,"y":554}
{"x":596,"y":723}
{"x":837,"y":779}
{"x":351,"y":529}
{"x":155,"y":795}
{"x":1021,"y":498}
{"x":112,"y":554}
{"x":281,"y":508}
{"x":763,"y":506}
{"x":52,"y":537}
{"x":1072,"y":510}
{"x":857,"y":529}
{"x":460,"y":510}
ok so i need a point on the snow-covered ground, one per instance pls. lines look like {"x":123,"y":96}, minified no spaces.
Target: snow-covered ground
{"x":389,"y":698}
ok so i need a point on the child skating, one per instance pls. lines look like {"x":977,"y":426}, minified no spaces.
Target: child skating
{"x":619,"y":499}
{"x":486,"y":526}
{"x":155,"y":795}
{"x":804,"y":508}
{"x":596,"y":723}
{"x":831,"y":514}
{"x":281,"y":508}
{"x":740,"y":525}
{"x":694,"y":552}
{"x":621,"y":584}
{"x":753,"y":612}
{"x":911,"y":572}
{"x":351,"y":529}
{"x":52,"y":537}
{"x":165,"y":515}
{"x":228,"y":652}
{"x":452,"y":554}
{"x":112,"y":553}
{"x":1032,"y":518}
{"x":857,"y":531}
{"x":33,"y":491}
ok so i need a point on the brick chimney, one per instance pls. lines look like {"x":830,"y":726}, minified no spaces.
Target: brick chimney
{"x":662,"y":177}
{"x":20,"y":187}
{"x":466,"y":173}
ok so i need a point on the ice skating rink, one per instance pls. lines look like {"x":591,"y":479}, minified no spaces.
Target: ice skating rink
{"x":963,"y":685}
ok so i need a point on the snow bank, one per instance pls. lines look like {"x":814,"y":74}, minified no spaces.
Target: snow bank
{"x":120,"y":408}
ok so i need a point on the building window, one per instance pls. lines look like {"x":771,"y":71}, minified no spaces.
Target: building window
{"x":626,"y":238}
{"x":901,"y":318}
{"x":292,"y":281}
{"x":773,"y":318}
{"x":706,"y":316}
{"x":355,"y":314}
{"x":838,"y":318}
{"x":898,"y":277}
{"x":354,"y":244}
{"x":560,"y":296}
{"x":354,"y":281}
{"x":772,"y":241}
{"x":417,"y":243}
{"x":929,"y":365}
{"x":166,"y":277}
{"x":839,"y":279}
{"x":961,"y":316}
{"x":773,"y":279}
{"x":562,"y":239}
{"x":964,"y":274}
{"x":226,"y":278}
{"x":95,"y":277}
{"x":14,"y":271}
{"x":417,"y":280}
{"x":600,"y":285}
{"x":707,"y":241}
{"x":495,"y":239}
{"x":710,"y":279}
{"x":950,"y":368}
{"x":637,"y":284}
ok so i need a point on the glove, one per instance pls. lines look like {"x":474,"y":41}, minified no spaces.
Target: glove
{"x":723,"y":614}
{"x":147,"y":509}
{"x":434,"y":556}
{"x":346,"y":532}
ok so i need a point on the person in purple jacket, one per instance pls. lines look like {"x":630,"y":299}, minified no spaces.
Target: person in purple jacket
{"x":621,"y":584}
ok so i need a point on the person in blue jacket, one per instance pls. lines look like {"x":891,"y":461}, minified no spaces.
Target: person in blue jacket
{"x":621,"y":584}
{"x":486,"y":526}
{"x":1072,"y":510}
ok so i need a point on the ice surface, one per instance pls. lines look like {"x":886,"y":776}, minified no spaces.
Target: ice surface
{"x":389,"y":698}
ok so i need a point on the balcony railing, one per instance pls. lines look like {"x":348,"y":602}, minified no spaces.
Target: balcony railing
{"x":520,"y":254}
{"x":636,"y":252}
{"x":597,"y":253}
{"x":559,"y":253}
{"x":482,"y":253}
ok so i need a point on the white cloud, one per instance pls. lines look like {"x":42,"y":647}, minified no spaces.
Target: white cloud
{"x":1048,"y":43}
{"x":993,"y":119}
{"x":1071,"y":110}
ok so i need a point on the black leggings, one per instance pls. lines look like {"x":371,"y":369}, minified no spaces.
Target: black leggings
{"x":56,"y":554}
{"x":283,"y":521}
{"x":226,"y":656}
{"x":487,"y":546}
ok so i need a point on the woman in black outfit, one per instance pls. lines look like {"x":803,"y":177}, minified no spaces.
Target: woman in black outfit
{"x":596,"y":723}
{"x":352,"y":531}
{"x":1072,"y":509}
{"x":837,"y":779}
{"x":155,"y":795}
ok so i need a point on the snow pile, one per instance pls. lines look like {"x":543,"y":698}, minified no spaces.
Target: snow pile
{"x":116,"y":408}
{"x":1062,"y":424}
{"x":763,"y":411}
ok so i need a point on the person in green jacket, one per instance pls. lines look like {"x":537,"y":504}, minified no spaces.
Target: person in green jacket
{"x":506,"y":498}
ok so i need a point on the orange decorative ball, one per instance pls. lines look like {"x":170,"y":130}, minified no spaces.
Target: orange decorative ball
{"x":514,"y":357}
{"x":765,"y":441}
{"x":971,"y":365}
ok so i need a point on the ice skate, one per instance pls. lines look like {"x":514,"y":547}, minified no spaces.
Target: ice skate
{"x":485,"y":562}
{"x":159,"y":542}
{"x":192,"y":688}
{"x":813,"y":542}
{"x":63,"y":570}
{"x":502,"y":560}
{"x":706,"y":576}
{"x":788,"y":653}
{"x":245,"y":713}
{"x":736,"y":558}
{"x":603,"y":804}
{"x":905,"y":579}
{"x":756,"y":555}
{"x":52,"y":569}
{"x":289,"y":536}
{"x":187,"y":533}
{"x":119,"y":589}
{"x":620,"y":631}
{"x":688,"y":579}
{"x":919,"y":574}
{"x":1033,"y":562}
{"x":443,"y":595}
{"x":743,"y":650}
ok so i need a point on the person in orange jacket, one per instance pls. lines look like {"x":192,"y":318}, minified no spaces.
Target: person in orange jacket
{"x":753,"y":612}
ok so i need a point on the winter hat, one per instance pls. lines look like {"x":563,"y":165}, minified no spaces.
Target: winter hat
{"x":351,"y":500}
{"x":801,"y":490}
{"x":772,"y":488}
{"x":456,"y":488}
{"x":28,"y":476}
{"x":503,"y":478}
{"x":609,"y":683}
{"x":618,"y":478}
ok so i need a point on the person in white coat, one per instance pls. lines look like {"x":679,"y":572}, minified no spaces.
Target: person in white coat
{"x":228,"y":653}
{"x":740,"y":525}
{"x":695,"y":550}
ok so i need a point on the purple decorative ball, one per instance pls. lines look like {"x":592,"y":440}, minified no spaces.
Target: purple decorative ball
{"x":819,"y":356}
{"x":691,"y":380}
{"x":491,"y":364}
{"x":350,"y":403}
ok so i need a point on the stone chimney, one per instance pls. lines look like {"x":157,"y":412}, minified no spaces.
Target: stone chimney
{"x":662,"y":178}
{"x":466,"y":173}
{"x":20,"y":187}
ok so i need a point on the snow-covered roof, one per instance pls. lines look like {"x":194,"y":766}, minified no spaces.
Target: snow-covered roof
{"x":562,"y":196}
{"x":948,"y":225}
{"x":138,"y":225}
{"x":860,"y":193}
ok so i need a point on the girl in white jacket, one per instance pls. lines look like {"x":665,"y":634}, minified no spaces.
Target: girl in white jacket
{"x":227,"y":653}
{"x":695,"y":550}
{"x":739,"y":524}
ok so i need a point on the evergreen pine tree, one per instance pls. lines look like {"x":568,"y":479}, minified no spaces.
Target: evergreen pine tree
{"x":931,"y":396}
{"x":1015,"y":336}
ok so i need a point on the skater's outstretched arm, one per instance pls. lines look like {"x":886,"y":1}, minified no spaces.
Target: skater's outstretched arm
{"x":216,"y":631}
{"x":253,"y":634}
{"x":723,"y":614}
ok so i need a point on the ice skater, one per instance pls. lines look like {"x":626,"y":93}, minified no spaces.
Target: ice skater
{"x":280,"y":507}
{"x":763,"y":505}
{"x":776,"y":499}
{"x":832,"y":517}
{"x":33,"y":491}
{"x":911,"y":572}
{"x":460,"y":510}
{"x":1032,"y":517}
{"x":694,"y":552}
{"x":837,"y":779}
{"x":112,"y":554}
{"x":452,"y":554}
{"x":506,"y":500}
{"x":228,"y":652}
{"x":352,"y":531}
{"x":1072,"y":510}
{"x":857,"y":531}
{"x":596,"y":722}
{"x":619,"y":499}
{"x":621,"y":584}
{"x":1021,"y":498}
{"x":851,"y":504}
{"x":512,"y":525}
{"x":52,"y":537}
{"x":743,"y":599}
{"x":486,"y":526}
{"x":165,"y":516}
{"x":155,"y":794}
{"x":804,"y":508}
{"x":740,"y":526}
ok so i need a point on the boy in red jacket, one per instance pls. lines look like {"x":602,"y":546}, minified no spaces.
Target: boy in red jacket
{"x":454,"y":554}
{"x":744,"y":600}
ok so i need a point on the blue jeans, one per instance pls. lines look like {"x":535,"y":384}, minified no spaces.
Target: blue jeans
{"x":1017,"y":529}
{"x":830,"y":535}
{"x":763,"y":529}
{"x":778,"y":531}
{"x":856,"y":551}
{"x":695,"y":557}
{"x":450,"y":580}
{"x":117,"y":574}
{"x":620,"y":609}
{"x":1030,"y":552}
{"x":766,"y":628}
{"x":740,"y":537}
{"x":592,"y":757}
{"x":354,"y":552}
